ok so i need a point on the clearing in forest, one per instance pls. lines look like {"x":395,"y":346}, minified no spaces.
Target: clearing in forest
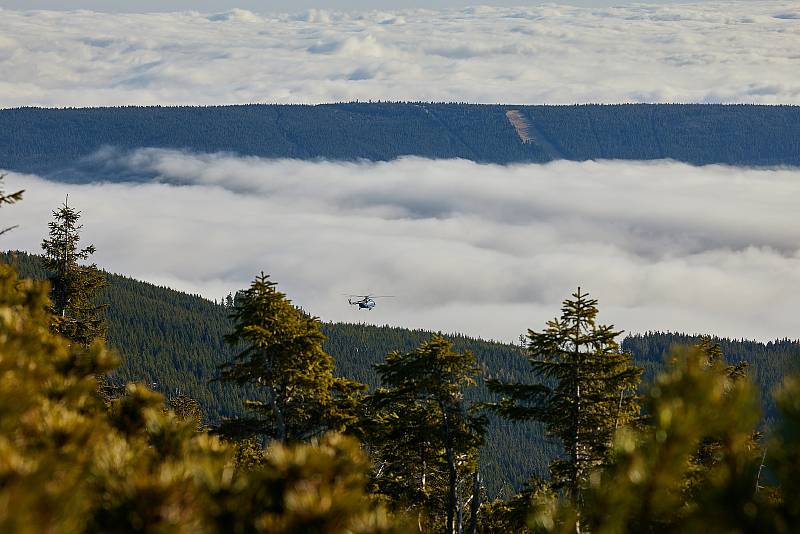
{"x":520,"y":124}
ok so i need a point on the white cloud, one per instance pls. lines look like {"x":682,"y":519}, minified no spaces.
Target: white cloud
{"x":481,"y":249}
{"x":235,"y":15}
{"x":706,"y":52}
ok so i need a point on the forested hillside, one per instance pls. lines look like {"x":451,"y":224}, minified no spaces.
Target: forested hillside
{"x":767,"y":363}
{"x":174,"y":341}
{"x":60,"y":142}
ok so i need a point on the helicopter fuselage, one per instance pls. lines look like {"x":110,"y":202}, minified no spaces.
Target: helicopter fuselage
{"x":364,"y":304}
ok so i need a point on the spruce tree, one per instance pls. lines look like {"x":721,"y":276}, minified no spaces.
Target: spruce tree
{"x":74,"y":287}
{"x":426,"y":440}
{"x":644,"y":487}
{"x":585,"y":390}
{"x":280,"y":354}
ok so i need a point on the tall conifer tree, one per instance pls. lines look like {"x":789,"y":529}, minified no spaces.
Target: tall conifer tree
{"x":280,"y":353}
{"x":427,"y":440}
{"x":586,"y":389}
{"x":74,"y":287}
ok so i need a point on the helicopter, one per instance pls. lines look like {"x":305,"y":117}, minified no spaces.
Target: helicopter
{"x":366,"y":302}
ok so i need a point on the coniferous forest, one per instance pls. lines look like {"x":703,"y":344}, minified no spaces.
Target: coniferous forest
{"x":130,"y":407}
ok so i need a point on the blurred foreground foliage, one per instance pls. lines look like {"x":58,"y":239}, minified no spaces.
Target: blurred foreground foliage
{"x":74,"y":459}
{"x":698,"y":465}
{"x":79,"y":456}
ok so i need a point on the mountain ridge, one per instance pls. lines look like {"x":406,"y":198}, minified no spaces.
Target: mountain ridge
{"x":63,"y":143}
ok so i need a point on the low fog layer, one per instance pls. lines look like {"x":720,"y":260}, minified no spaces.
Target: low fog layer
{"x":480,"y":249}
{"x":705,"y":52}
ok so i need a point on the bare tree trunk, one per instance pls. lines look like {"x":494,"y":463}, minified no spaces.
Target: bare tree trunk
{"x":476,"y":502}
{"x":576,"y":421}
{"x":460,"y":517}
{"x":576,"y":462}
{"x":422,"y":486}
{"x":280,"y":422}
{"x":760,"y":467}
{"x":451,"y":468}
{"x":277,"y":409}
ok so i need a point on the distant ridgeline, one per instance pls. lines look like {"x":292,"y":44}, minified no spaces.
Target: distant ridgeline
{"x":59,"y":142}
{"x":175,"y":341}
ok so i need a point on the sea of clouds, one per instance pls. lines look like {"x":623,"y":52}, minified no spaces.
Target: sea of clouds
{"x":482,"y":249}
{"x":709,"y":52}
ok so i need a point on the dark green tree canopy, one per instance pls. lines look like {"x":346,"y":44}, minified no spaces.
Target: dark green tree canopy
{"x":74,"y":287}
{"x":279,"y":352}
{"x":585,"y":389}
{"x":425,"y":439}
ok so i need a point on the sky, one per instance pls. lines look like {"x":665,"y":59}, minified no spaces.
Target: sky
{"x":141,"y":6}
{"x":482,"y":249}
{"x":708,"y":52}
{"x":485,"y":250}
